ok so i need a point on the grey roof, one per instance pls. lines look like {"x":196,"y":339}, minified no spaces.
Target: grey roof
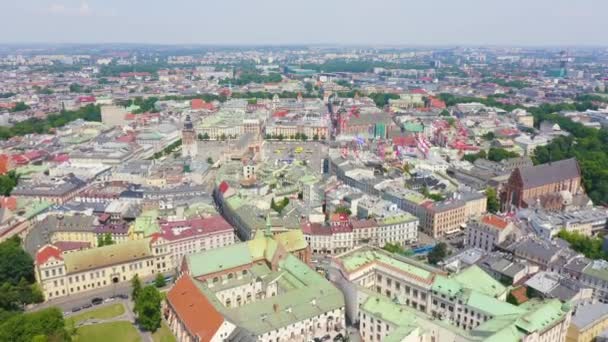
{"x":41,"y":233}
{"x":539,"y":249}
{"x":586,"y":315}
{"x":553,"y":172}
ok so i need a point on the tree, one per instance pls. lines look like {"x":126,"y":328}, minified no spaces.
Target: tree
{"x":489,"y":136}
{"x":20,"y":106}
{"x":308,"y":86}
{"x":472,"y":157}
{"x":493,"y":204}
{"x":48,"y":323}
{"x":444,"y":113}
{"x":107,"y":239}
{"x":160,"y":280}
{"x":280,"y":137}
{"x":223,"y":137}
{"x":499,"y":154}
{"x":8,"y":182}
{"x":315,"y":137}
{"x":15,"y":263}
{"x":438,"y":253}
{"x":511,"y":299}
{"x":209,"y":160}
{"x":147,"y":308}
{"x":342,"y":210}
{"x":591,"y":247}
{"x":135,"y":287}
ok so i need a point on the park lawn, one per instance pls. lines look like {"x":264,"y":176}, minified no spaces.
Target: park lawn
{"x":163,"y":334}
{"x":104,"y":312}
{"x":122,"y":331}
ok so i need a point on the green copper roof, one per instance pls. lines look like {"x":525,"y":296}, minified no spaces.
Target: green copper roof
{"x":385,"y":309}
{"x":218,"y":259}
{"x":476,"y":279}
{"x":413,"y":127}
{"x":364,"y":257}
{"x":491,"y":305}
{"x":540,"y":314}
{"x":146,"y":225}
{"x":446,"y":286}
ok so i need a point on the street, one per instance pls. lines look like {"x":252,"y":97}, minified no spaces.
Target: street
{"x":67,"y":303}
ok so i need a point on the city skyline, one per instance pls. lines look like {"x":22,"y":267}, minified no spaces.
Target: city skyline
{"x":272,"y":22}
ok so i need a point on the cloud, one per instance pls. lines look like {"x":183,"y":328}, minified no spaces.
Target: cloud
{"x":82,"y":10}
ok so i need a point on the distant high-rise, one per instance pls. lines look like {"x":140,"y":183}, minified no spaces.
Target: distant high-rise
{"x":189,"y":144}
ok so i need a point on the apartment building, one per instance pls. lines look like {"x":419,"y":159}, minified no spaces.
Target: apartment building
{"x":64,"y":274}
{"x":397,"y":298}
{"x":254,"y":291}
{"x":179,"y":238}
{"x":343,"y":234}
{"x":487,"y":232}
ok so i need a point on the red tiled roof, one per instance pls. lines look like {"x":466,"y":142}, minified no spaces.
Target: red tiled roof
{"x":60,"y":158}
{"x":409,"y":141}
{"x":520,"y":294}
{"x":224,"y":187}
{"x":9,"y":203}
{"x":280,"y":113}
{"x":71,"y":245}
{"x":360,"y":224}
{"x":200,"y":104}
{"x":495,"y":221}
{"x":199,"y":226}
{"x":315,"y":229}
{"x":339,"y":217}
{"x":47,"y":252}
{"x":197,"y":314}
{"x":19,"y":159}
{"x":86,"y":99}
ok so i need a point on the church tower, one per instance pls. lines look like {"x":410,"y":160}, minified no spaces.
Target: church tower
{"x":189,"y":144}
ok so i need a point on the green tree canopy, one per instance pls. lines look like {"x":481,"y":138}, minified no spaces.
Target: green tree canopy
{"x":438,"y":253}
{"x":492,"y":198}
{"x":135,"y":287}
{"x":160,"y":280}
{"x":147,"y":308}
{"x":26,"y":327}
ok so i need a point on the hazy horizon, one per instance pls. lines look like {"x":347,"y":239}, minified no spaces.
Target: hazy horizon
{"x":542,"y":23}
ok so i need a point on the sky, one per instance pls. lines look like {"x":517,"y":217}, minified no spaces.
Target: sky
{"x":347,"y":22}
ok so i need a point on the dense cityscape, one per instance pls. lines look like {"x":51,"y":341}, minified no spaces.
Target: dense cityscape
{"x":303,"y":193}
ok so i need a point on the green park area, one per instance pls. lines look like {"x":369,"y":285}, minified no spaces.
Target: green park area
{"x":105,"y":312}
{"x":163,"y":334}
{"x":114,"y":331}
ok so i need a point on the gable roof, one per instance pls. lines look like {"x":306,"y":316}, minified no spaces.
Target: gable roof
{"x":534,"y":176}
{"x":107,"y":255}
{"x":194,"y":310}
{"x":47,"y":252}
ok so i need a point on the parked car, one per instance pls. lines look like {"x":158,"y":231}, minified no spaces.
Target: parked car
{"x":86,"y":306}
{"x":108,"y":299}
{"x":76,"y":309}
{"x":122,"y":296}
{"x":325,"y":338}
{"x":96,"y":301}
{"x":339,"y":337}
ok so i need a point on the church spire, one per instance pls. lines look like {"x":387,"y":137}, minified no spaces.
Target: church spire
{"x":268,"y":232}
